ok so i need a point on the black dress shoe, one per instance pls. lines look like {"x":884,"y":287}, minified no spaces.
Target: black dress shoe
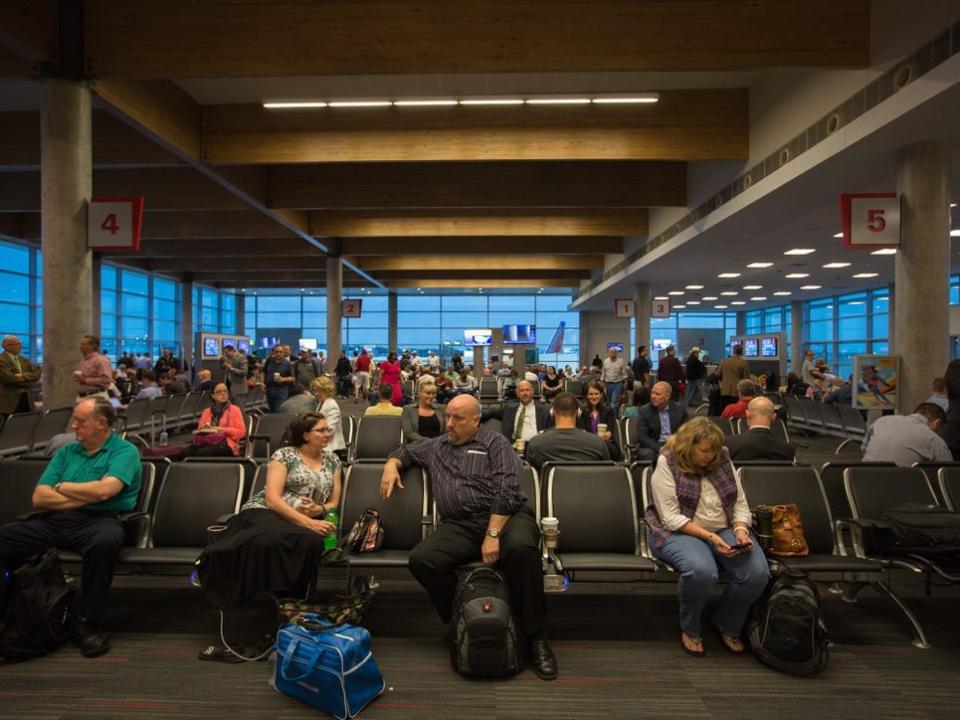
{"x":542,"y":660}
{"x":93,"y":640}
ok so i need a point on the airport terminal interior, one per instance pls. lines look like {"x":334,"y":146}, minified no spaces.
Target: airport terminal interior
{"x":513,"y":185}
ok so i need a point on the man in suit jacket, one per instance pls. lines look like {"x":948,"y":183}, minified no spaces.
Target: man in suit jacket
{"x":535,"y":416}
{"x":17,"y":376}
{"x":235,"y":367}
{"x":760,"y":442}
{"x":655,"y":422}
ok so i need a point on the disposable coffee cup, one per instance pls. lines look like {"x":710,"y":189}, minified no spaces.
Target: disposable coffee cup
{"x":549,"y":525}
{"x":276,"y":377}
{"x":520,"y":445}
{"x":601,"y":428}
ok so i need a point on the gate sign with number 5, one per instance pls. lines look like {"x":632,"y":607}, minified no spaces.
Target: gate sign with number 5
{"x":660,"y":309}
{"x":870,"y":220}
{"x":114,"y":223}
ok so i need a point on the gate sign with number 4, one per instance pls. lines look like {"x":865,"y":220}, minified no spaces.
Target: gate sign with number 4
{"x":114,"y":223}
{"x":660,"y":309}
{"x":870,"y":220}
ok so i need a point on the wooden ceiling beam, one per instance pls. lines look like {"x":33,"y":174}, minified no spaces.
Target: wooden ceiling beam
{"x":29,"y":29}
{"x":618,"y":184}
{"x":246,"y":224}
{"x":442,"y":263}
{"x":471,"y":275}
{"x":684,"y":125}
{"x":207,"y":248}
{"x":223,"y":38}
{"x":262,"y":263}
{"x":491,"y":222}
{"x":481,"y":283}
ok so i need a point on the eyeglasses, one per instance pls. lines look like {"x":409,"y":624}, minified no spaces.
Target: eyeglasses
{"x":323,"y":430}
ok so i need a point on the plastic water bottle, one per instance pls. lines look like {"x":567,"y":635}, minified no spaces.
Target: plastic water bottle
{"x":330,"y":541}
{"x":164,"y":437}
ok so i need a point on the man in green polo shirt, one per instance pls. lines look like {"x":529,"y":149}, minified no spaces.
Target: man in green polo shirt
{"x":83,"y":488}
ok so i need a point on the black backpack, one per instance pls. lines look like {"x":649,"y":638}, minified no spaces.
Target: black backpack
{"x":486,"y":641}
{"x":787,"y":630}
{"x":37,"y":614}
{"x":917,"y":529}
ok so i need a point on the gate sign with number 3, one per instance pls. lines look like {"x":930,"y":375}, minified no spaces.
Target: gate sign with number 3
{"x":660,"y":309}
{"x":114,"y":224}
{"x":870,"y":220}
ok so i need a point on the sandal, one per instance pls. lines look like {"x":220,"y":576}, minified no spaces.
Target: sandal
{"x":729,"y":641}
{"x":694,"y":641}
{"x":215,"y":653}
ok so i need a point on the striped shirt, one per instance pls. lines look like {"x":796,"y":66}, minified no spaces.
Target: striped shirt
{"x":480,"y":476}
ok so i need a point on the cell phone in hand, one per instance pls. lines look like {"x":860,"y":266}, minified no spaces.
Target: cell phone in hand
{"x":740,"y":547}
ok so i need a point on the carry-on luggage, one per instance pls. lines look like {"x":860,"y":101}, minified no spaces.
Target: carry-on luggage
{"x":486,"y":639}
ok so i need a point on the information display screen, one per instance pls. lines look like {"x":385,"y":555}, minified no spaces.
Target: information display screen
{"x":477,"y":336}
{"x":519,"y":334}
{"x":768,"y":347}
{"x":243,"y":345}
{"x":750,"y":348}
{"x":211,"y":347}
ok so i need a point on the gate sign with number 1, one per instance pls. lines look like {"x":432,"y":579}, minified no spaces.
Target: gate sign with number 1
{"x":660,"y":309}
{"x":870,"y":220}
{"x":114,"y":224}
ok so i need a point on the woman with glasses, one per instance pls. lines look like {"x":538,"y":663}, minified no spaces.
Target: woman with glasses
{"x":273,"y":546}
{"x":221,"y":427}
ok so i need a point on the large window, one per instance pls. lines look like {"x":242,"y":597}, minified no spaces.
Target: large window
{"x":664,"y":331}
{"x":839,"y":327}
{"x":19,"y":296}
{"x":774,"y":319}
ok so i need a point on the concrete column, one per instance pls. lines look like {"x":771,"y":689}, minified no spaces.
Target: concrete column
{"x":334,"y":310}
{"x":641,"y":314}
{"x":922,"y":269}
{"x":392,"y":322}
{"x":95,"y":267}
{"x":796,"y":336}
{"x":66,"y":183}
{"x":891,"y":319}
{"x":741,"y":323}
{"x":241,"y":318}
{"x":477,"y":362}
{"x":186,"y":319}
{"x":585,"y":356}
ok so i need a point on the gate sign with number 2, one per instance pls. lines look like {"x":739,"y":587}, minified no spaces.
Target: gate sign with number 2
{"x":870,"y":220}
{"x":114,"y":224}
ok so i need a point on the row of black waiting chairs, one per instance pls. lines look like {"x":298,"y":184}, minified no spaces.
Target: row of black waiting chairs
{"x":31,"y":432}
{"x":837,"y":419}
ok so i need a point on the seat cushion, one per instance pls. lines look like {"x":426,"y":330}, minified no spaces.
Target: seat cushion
{"x":160,"y":556}
{"x":606,"y":561}
{"x":822,"y":562}
{"x":380,"y":558}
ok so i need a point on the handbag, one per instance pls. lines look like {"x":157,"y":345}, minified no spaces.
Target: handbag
{"x":209,"y":439}
{"x":327,"y":666}
{"x":331,"y":606}
{"x":366,"y":535}
{"x":786,"y":536}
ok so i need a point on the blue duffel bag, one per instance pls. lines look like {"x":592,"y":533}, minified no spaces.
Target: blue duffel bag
{"x":328,"y":666}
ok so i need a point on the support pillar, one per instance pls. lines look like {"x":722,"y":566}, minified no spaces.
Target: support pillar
{"x":66,"y":183}
{"x":392,"y":322}
{"x":796,"y":336}
{"x":334,"y":310}
{"x":641,"y":313}
{"x":891,"y":319}
{"x":186,"y":319}
{"x":241,"y":315}
{"x":95,"y":297}
{"x":922,"y":269}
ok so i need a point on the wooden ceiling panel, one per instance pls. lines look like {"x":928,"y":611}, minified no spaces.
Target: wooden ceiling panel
{"x":434,"y":263}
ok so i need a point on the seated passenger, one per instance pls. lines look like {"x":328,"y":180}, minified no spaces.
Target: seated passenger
{"x":595,"y":412}
{"x":423,"y":419}
{"x":566,"y":442}
{"x":759,"y":442}
{"x":552,"y":383}
{"x":82,"y":489}
{"x":655,"y":423}
{"x":148,"y":386}
{"x":221,"y":417}
{"x":384,"y":404}
{"x":524,"y":418}
{"x":465,"y":384}
{"x":699,"y":519}
{"x":274,"y":544}
{"x":641,"y":396}
{"x":746,"y":390}
{"x":301,"y":401}
{"x":908,"y":439}
{"x":324,"y":391}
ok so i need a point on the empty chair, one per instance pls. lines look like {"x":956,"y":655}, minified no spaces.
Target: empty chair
{"x":574,"y":387}
{"x":812,"y":412}
{"x":830,"y":413}
{"x":18,"y":478}
{"x":530,"y":487}
{"x":191,"y":498}
{"x":725,"y":424}
{"x":598,"y":517}
{"x":489,"y":389}
{"x":171,"y":411}
{"x":190,"y":410}
{"x":402,"y":513}
{"x":872,"y":490}
{"x":268,"y":434}
{"x":136,"y":417}
{"x":53,"y":422}
{"x":494,"y":425}
{"x":932,"y":469}
{"x":16,"y":435}
{"x":831,"y":474}
{"x":377,"y":437}
{"x":949,"y":481}
{"x":795,"y":413}
{"x":537,"y":390}
{"x":250,"y":468}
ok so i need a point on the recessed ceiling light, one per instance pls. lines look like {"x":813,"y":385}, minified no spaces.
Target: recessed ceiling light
{"x":800,"y":251}
{"x":753,"y":287}
{"x":760,"y":265}
{"x":955,"y":233}
{"x":720,"y":307}
{"x":694,"y":287}
{"x":679,"y":307}
{"x":810,"y":287}
{"x":661,"y":297}
{"x":493,"y":101}
{"x":424,"y":103}
{"x":782,"y":293}
{"x":728,"y":275}
{"x":360,"y":103}
{"x":759,"y":298}
{"x":885,"y":251}
{"x":693,"y":302}
{"x":839,"y":235}
{"x":855,"y":302}
{"x":676,"y":292}
{"x":281,"y":105}
{"x":729,"y":293}
{"x":953,"y":205}
{"x":558,"y":101}
{"x":632,"y":99}
{"x":865,"y":275}
{"x":796,"y":276}
{"x":738,"y":302}
{"x":835,"y":265}
{"x":709,"y":297}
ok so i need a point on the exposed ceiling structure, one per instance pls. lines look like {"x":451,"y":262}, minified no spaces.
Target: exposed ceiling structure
{"x":427,"y":196}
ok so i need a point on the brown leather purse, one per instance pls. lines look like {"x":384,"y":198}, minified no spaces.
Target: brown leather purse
{"x":787,"y":533}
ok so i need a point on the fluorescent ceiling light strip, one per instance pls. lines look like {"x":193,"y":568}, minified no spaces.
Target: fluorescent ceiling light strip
{"x":360,"y":103}
{"x":423,"y":103}
{"x":290,"y":105}
{"x":885,"y":251}
{"x":639,"y":99}
{"x":800,"y":251}
{"x":504,"y":101}
{"x":558,"y":101}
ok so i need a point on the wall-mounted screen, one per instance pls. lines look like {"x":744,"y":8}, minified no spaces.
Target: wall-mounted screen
{"x":735,"y":343}
{"x":243,"y":345}
{"x":267,"y":342}
{"x":519,"y":334}
{"x":750,"y":348}
{"x":477,"y":336}
{"x":211,"y":347}
{"x":615,"y":346}
{"x":307,"y":343}
{"x":768,"y":347}
{"x":228,"y":341}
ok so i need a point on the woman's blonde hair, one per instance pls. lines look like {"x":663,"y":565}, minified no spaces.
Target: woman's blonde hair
{"x":693,"y":432}
{"x":426,"y":385}
{"x":323,"y":385}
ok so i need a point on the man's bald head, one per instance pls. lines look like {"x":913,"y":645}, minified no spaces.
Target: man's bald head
{"x":524,"y":391}
{"x":760,"y":412}
{"x":660,"y":394}
{"x":463,"y":419}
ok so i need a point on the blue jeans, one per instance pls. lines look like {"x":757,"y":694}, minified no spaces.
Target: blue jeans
{"x":693,"y":392}
{"x":696,"y":562}
{"x":613,"y":394}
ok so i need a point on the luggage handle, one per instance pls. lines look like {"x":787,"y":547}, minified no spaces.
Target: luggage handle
{"x":308,"y":661}
{"x":316,"y":623}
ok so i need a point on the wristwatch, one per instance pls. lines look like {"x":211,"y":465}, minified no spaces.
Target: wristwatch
{"x":57,"y":486}
{"x":493,"y":532}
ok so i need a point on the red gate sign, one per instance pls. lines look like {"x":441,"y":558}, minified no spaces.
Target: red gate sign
{"x":114,"y":224}
{"x":351,"y":308}
{"x":870,"y":220}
